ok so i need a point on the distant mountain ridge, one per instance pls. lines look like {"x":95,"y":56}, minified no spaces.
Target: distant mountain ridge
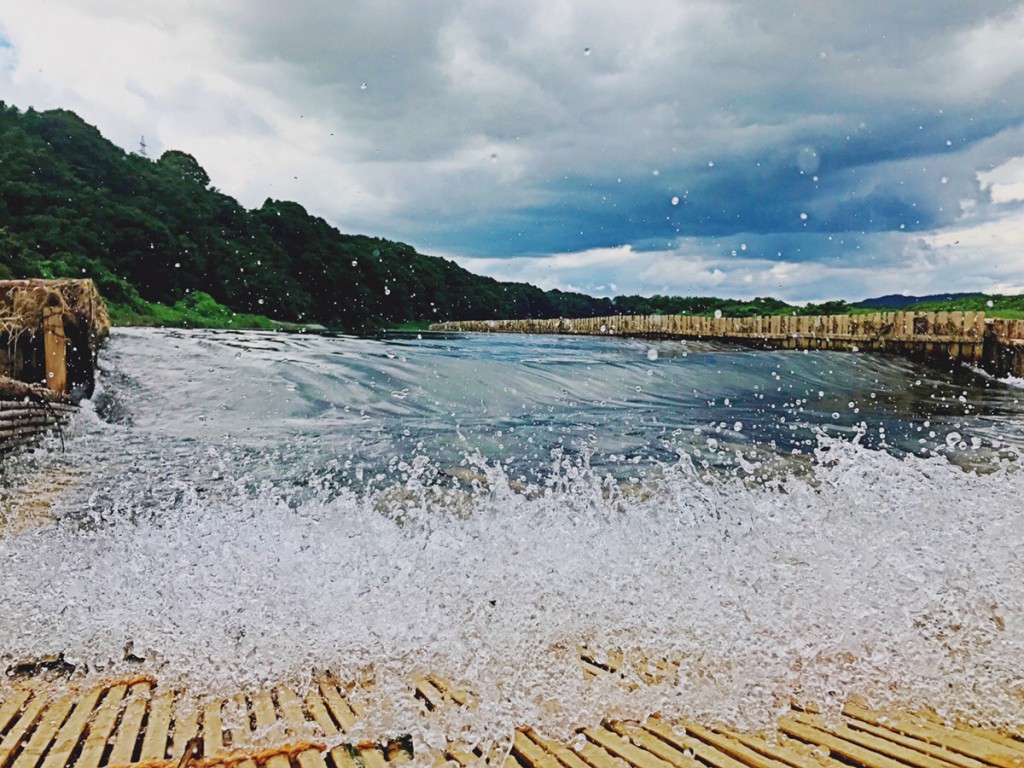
{"x":899,"y":301}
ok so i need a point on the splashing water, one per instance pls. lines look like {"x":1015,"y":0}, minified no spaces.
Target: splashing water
{"x":217,"y":527}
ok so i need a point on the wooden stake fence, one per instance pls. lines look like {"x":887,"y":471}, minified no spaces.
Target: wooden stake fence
{"x":938,"y":337}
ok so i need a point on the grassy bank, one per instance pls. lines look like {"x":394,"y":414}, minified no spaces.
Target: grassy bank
{"x":197,"y":310}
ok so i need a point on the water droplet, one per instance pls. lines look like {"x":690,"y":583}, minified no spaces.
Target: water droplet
{"x":718,"y":313}
{"x":387,"y":291}
{"x":990,"y":303}
{"x":354,"y":262}
{"x":737,"y":427}
{"x":655,"y":172}
{"x":652,"y":354}
{"x":944,"y":179}
{"x":362,"y":86}
{"x":711,"y":163}
{"x":803,"y":216}
{"x":953,"y":438}
{"x":675,"y":200}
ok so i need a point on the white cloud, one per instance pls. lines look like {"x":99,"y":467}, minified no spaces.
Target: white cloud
{"x":1005,"y":184}
{"x":480,"y":120}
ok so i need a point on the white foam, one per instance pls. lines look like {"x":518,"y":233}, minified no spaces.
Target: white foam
{"x":899,"y":579}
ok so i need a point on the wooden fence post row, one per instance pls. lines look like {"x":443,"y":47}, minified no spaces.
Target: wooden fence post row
{"x":941,"y":337}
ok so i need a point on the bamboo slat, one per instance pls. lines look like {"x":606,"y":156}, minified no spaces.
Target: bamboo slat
{"x":101,"y":727}
{"x":71,"y":732}
{"x":53,"y":718}
{"x":12,"y":741}
{"x":154,"y":744}
{"x":127,"y":737}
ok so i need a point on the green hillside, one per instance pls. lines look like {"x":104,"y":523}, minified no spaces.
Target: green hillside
{"x":72,"y":204}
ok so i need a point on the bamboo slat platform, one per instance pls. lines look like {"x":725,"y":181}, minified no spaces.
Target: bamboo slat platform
{"x":136,"y":722}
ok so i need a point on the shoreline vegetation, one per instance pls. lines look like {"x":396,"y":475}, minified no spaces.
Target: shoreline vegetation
{"x":200,"y":310}
{"x":165,"y":248}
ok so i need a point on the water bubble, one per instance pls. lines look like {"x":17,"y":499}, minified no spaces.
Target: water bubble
{"x":652,"y":354}
{"x":387,"y":291}
{"x":354,"y":262}
{"x":675,"y":200}
{"x":803,"y":216}
{"x":737,"y":427}
{"x":953,"y":438}
{"x":718,"y":313}
{"x":807,"y":160}
{"x":944,"y":179}
{"x":362,"y":86}
{"x":711,"y":163}
{"x":586,"y":51}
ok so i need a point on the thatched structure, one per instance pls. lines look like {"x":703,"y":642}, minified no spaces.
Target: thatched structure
{"x":50,"y":333}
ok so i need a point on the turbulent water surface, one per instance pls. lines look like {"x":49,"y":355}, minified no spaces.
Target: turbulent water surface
{"x":246,"y":507}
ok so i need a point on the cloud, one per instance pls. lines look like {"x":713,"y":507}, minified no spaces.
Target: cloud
{"x":835,"y":134}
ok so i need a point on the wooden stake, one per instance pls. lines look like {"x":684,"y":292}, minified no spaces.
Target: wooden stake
{"x":55,"y":347}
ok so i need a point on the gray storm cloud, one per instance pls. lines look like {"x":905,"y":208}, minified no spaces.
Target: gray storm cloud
{"x":500,"y":131}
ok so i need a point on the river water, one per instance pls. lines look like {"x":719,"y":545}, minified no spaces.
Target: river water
{"x":247,"y":507}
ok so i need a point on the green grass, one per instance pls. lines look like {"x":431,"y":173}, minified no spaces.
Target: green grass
{"x":197,"y":310}
{"x":410,"y":326}
{"x":1010,"y":307}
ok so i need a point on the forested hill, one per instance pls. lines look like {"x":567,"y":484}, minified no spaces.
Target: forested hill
{"x":72,"y":204}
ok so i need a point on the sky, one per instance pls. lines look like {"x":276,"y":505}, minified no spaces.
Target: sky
{"x":807,"y":150}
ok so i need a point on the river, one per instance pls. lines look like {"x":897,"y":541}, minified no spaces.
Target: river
{"x":245,"y":507}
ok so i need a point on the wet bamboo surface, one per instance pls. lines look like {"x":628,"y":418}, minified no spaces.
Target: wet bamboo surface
{"x":963,"y":337}
{"x":138,"y":722}
{"x":25,"y":419}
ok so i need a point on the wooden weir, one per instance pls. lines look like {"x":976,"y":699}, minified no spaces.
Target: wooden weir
{"x":50,"y":333}
{"x":136,"y":722}
{"x":944,"y":338}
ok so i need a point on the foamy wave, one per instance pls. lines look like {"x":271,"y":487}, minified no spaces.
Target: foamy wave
{"x":898,"y":579}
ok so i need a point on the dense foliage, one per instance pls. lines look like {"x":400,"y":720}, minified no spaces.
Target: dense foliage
{"x":73,"y":204}
{"x":165,"y":247}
